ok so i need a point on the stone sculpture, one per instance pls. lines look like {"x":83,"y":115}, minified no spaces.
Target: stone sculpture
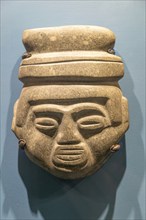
{"x":71,"y":113}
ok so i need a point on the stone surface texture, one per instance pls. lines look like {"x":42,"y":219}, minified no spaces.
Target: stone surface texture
{"x":71,"y":113}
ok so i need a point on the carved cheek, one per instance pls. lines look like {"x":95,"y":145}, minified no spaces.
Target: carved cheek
{"x":100,"y":143}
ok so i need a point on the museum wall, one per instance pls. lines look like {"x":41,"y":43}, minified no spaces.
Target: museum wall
{"x":117,"y":191}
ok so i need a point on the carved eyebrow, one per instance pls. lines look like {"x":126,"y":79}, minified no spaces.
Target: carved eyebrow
{"x":51,"y":114}
{"x":79,"y":113}
{"x":89,"y":107}
{"x":47,"y":108}
{"x":89,"y":111}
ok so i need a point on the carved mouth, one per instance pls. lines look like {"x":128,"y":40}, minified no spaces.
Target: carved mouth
{"x":69,"y":157}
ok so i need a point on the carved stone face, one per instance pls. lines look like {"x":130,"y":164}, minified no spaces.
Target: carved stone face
{"x":70,"y":132}
{"x":71,"y":113}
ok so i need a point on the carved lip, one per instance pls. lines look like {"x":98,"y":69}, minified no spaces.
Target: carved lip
{"x":69,"y":156}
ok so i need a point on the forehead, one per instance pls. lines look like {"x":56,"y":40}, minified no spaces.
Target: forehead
{"x":74,"y":93}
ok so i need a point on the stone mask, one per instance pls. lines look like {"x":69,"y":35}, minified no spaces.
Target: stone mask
{"x":71,"y":114}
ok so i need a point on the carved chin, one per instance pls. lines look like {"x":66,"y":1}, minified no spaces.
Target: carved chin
{"x":70,"y":158}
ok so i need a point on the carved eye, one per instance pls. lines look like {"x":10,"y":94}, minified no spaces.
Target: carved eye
{"x":46,"y":124}
{"x":92,"y":123}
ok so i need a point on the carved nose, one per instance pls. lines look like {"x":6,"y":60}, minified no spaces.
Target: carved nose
{"x":63,"y":141}
{"x":68,"y":133}
{"x":67,"y":137}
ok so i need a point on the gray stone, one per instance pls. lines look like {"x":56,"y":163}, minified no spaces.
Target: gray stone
{"x":71,"y":113}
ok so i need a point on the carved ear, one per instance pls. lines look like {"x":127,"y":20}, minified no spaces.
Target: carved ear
{"x":125,"y":115}
{"x":123,"y":127}
{"x":14,"y":127}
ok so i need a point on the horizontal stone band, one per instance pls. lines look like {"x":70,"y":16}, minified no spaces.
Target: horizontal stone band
{"x":90,"y":70}
{"x":45,"y":58}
